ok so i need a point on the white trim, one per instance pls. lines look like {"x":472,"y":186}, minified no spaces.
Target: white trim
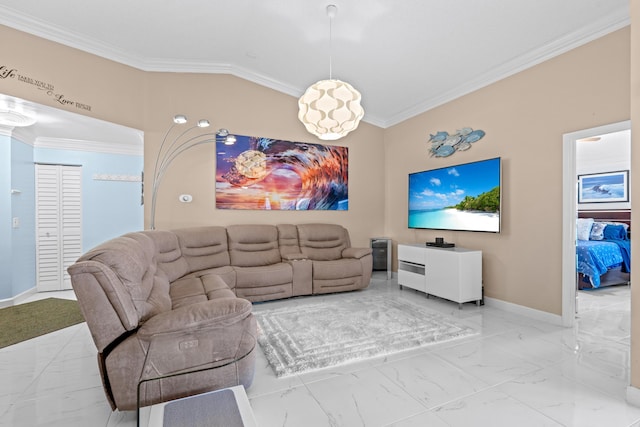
{"x":45,"y":30}
{"x":633,"y":396}
{"x":6,"y":130}
{"x":569,"y":213}
{"x":93,"y":146}
{"x":116,"y":177}
{"x":23,"y":135}
{"x":521,"y":310}
{"x":8,"y":302}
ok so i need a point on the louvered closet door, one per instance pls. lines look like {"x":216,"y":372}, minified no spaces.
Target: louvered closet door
{"x":58,"y":224}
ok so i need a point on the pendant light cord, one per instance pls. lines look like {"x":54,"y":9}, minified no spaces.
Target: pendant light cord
{"x":331,"y":12}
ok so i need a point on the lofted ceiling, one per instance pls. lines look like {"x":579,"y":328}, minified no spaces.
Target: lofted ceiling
{"x":405,"y":57}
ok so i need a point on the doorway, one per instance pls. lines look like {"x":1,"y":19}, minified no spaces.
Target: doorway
{"x":569,"y":213}
{"x":112,"y":160}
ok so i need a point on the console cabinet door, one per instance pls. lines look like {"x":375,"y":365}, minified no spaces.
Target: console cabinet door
{"x":442,"y":273}
{"x":454,"y":274}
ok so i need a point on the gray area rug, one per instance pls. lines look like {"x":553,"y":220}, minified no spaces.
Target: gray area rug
{"x":312,"y":335}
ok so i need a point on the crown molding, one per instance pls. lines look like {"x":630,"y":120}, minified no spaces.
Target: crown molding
{"x":91,"y":146}
{"x":214,"y":68}
{"x":37,"y":27}
{"x":555,"y":48}
{"x":6,"y":130}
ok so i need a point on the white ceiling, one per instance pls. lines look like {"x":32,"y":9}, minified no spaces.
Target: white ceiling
{"x":405,"y":57}
{"x":604,"y":153}
{"x":55,"y":128}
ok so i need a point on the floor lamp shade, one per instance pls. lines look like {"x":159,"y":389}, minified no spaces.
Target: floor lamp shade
{"x":330,"y":109}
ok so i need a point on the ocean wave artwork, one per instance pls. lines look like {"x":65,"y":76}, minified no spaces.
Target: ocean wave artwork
{"x":271,"y":174}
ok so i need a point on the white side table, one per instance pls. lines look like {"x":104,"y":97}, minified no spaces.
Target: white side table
{"x":154,"y":416}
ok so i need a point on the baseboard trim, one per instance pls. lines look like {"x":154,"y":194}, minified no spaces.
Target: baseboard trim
{"x":523,"y":311}
{"x":18,"y":298}
{"x":633,"y":396}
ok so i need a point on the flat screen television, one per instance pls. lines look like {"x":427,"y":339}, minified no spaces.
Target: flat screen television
{"x":464,"y":197}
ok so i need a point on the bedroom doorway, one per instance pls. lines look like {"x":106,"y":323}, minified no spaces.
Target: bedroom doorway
{"x":570,"y":213}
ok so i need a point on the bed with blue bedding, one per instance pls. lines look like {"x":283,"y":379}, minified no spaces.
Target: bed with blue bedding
{"x":606,"y":249}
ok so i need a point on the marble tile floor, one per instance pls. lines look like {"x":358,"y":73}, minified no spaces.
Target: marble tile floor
{"x":515,"y":372}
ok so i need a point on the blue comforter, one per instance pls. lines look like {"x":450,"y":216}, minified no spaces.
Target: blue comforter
{"x":595,"y":257}
{"x":618,"y":235}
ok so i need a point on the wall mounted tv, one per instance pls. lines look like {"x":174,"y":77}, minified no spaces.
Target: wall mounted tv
{"x":464,"y":197}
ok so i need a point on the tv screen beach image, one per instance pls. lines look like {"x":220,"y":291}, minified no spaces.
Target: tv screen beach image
{"x":461,"y":197}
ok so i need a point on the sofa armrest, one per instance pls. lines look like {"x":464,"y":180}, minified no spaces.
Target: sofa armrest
{"x":221,"y":312}
{"x":202,"y":336}
{"x":294,"y":257}
{"x":356,"y":252}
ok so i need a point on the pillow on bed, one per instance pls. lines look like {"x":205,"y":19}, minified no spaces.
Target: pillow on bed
{"x":597,"y":231}
{"x":626,"y":226}
{"x":615,"y":232}
{"x":583,"y":228}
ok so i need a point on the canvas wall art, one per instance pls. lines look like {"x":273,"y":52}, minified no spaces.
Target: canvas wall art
{"x":271,"y":174}
{"x":604,"y":187}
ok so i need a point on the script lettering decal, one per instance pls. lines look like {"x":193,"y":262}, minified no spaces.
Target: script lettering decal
{"x":11,"y":73}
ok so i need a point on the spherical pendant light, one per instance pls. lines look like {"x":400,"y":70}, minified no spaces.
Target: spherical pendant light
{"x":330,"y":109}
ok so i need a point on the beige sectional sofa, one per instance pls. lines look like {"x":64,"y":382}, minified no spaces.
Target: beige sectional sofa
{"x":186,"y":295}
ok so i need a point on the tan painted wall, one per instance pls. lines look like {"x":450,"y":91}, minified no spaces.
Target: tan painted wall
{"x":148,"y":101}
{"x":635,"y":188}
{"x":524,"y":117}
{"x":248,"y":109}
{"x":114,"y":91}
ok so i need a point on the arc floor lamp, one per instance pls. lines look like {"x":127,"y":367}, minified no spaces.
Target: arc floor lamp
{"x":182,"y":142}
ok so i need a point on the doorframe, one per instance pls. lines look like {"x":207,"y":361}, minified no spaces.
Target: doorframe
{"x":569,"y":213}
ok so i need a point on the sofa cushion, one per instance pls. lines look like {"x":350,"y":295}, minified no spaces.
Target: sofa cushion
{"x":266,"y":293}
{"x":268,"y":275}
{"x":191,"y":290}
{"x":168,"y":254}
{"x":226,"y":273}
{"x":322,"y":241}
{"x":337,"y":269}
{"x":203,"y":247}
{"x":343,"y":284}
{"x":186,"y":291}
{"x":253,"y":245}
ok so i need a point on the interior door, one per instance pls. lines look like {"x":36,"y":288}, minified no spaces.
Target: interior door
{"x":58,"y":224}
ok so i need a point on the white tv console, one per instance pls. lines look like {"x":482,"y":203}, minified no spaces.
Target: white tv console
{"x":450,"y":273}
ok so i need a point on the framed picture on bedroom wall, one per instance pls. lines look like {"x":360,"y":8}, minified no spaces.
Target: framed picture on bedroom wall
{"x":606,"y":187}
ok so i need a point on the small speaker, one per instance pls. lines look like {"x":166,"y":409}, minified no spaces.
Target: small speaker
{"x":439,"y":240}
